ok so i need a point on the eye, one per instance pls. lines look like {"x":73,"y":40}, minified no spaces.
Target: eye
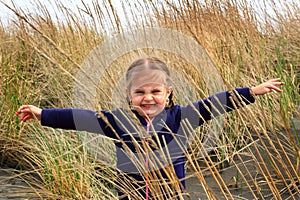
{"x":139,"y":92}
{"x":156,"y":91}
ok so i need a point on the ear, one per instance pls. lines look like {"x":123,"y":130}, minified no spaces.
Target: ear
{"x":128,"y":97}
{"x":128,"y":93}
{"x":169,"y":90}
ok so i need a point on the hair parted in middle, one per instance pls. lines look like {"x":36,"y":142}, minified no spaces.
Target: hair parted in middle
{"x":142,"y":68}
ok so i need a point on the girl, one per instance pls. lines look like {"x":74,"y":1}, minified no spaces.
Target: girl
{"x":152,"y":128}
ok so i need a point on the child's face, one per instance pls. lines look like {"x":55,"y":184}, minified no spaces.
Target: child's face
{"x":149,"y":99}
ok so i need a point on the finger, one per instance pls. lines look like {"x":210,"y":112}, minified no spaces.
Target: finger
{"x":278,"y":83}
{"x":22,"y":108}
{"x":274,"y":80}
{"x":26,"y":117}
{"x":18,"y":112}
{"x":26,"y":110}
{"x":277,"y":89}
{"x":23,"y":117}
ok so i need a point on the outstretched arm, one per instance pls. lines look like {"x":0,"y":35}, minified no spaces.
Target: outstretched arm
{"x":70,"y":119}
{"x":266,"y":87}
{"x":221,"y":102}
{"x":27,"y":112}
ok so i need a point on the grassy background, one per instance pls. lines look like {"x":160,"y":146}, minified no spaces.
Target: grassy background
{"x":40,"y":56}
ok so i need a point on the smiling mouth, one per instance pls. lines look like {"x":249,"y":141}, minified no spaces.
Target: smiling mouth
{"x":147,"y":105}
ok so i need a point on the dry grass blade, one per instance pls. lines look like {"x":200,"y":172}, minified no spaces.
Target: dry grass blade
{"x":255,"y":152}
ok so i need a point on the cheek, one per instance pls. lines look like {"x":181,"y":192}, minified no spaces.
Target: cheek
{"x":136,"y":100}
{"x":160,"y":100}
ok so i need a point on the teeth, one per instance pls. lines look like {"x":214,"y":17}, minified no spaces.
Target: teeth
{"x":147,"y":105}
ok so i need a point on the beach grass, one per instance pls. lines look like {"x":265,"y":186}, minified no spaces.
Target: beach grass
{"x":257,"y":145}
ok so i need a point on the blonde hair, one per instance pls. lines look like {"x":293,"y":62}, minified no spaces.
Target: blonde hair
{"x":150,"y":63}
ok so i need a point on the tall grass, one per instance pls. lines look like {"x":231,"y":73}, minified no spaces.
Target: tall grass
{"x":257,"y":153}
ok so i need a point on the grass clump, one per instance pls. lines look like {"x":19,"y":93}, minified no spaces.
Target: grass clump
{"x":41,"y":55}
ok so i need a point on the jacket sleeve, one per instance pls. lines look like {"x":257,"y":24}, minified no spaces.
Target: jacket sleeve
{"x":79,"y":119}
{"x":217,"y":104}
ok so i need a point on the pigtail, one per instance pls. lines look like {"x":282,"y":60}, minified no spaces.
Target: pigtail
{"x":170,"y":103}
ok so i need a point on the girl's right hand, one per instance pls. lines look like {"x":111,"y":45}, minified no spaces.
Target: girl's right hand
{"x":27,"y":112}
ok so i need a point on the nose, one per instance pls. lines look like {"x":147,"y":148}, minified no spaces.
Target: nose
{"x":148,"y":97}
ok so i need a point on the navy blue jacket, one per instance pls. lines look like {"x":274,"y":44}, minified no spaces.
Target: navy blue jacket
{"x":169,"y":132}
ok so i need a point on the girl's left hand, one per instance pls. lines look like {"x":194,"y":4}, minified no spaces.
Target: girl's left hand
{"x":266,"y":87}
